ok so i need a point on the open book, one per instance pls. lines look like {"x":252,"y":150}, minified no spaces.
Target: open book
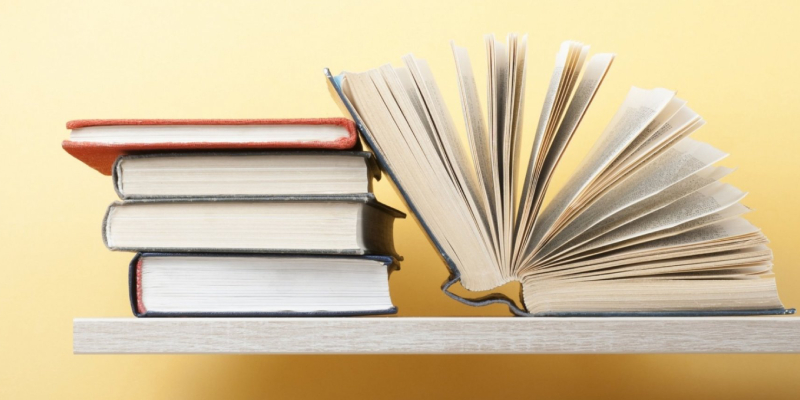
{"x":643,"y":227}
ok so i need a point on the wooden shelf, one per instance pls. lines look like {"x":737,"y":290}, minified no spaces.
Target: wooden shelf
{"x":398,"y":335}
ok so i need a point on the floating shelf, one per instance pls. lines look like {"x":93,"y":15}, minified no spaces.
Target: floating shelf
{"x":402,"y":335}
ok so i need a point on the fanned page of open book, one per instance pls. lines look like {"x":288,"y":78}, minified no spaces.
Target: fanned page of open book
{"x":643,"y":224}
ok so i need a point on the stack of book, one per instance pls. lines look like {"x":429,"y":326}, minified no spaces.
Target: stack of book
{"x":243,"y":217}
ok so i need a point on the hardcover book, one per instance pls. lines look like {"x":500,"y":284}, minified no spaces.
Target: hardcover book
{"x":236,"y":174}
{"x":354,"y":224}
{"x":642,"y":227}
{"x":259,"y":285}
{"x":99,"y":142}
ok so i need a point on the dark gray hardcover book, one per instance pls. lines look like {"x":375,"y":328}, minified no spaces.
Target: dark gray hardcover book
{"x":334,"y":86}
{"x":372,"y":172}
{"x":139,"y":310}
{"x":194,"y":225}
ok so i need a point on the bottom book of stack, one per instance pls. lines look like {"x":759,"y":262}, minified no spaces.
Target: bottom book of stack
{"x":259,"y":285}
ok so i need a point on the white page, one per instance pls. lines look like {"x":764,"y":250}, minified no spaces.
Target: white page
{"x":519,"y":103}
{"x":651,"y":241}
{"x":681,"y":124}
{"x":696,"y":181}
{"x":707,"y":201}
{"x":717,"y":226}
{"x":590,"y":82}
{"x":680,"y":162}
{"x":404,"y":75}
{"x":700,"y":260}
{"x":639,"y":109}
{"x":499,"y":94}
{"x":633,"y":255}
{"x":464,"y":177}
{"x":478,"y":137}
{"x":444,"y":128}
{"x":569,"y":62}
{"x":644,"y":294}
{"x":437,"y":202}
{"x":404,"y":106}
{"x":507,"y":74}
{"x":720,"y":205}
{"x":731,"y":259}
{"x":529,"y":185}
{"x":659,"y":125}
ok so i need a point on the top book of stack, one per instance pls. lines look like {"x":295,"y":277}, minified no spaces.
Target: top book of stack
{"x":99,"y":142}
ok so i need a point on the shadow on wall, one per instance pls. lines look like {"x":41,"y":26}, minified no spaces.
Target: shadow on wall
{"x":409,"y":376}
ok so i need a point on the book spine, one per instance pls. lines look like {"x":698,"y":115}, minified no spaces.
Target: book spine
{"x":106,"y":221}
{"x":135,"y":286}
{"x":116,"y":170}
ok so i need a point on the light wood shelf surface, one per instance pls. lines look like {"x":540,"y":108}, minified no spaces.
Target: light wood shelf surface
{"x":434,"y":335}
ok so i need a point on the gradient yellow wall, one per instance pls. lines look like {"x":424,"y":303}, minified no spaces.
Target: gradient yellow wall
{"x":736,"y":63}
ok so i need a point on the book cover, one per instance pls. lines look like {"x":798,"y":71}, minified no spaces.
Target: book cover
{"x":101,"y":156}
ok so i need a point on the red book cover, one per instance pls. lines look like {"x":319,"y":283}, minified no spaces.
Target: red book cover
{"x":101,"y":156}
{"x":140,"y":308}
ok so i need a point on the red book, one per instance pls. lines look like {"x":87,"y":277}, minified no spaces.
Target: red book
{"x":98,"y":142}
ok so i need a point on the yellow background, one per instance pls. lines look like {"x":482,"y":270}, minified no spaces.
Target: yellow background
{"x":736,"y":63}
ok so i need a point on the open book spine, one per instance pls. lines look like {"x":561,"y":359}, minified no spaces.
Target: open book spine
{"x":135,"y":291}
{"x":334,"y":84}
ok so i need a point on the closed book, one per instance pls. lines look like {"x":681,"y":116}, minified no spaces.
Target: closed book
{"x":235,"y":174}
{"x":99,"y":142}
{"x":354,"y":224}
{"x":241,"y":285}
